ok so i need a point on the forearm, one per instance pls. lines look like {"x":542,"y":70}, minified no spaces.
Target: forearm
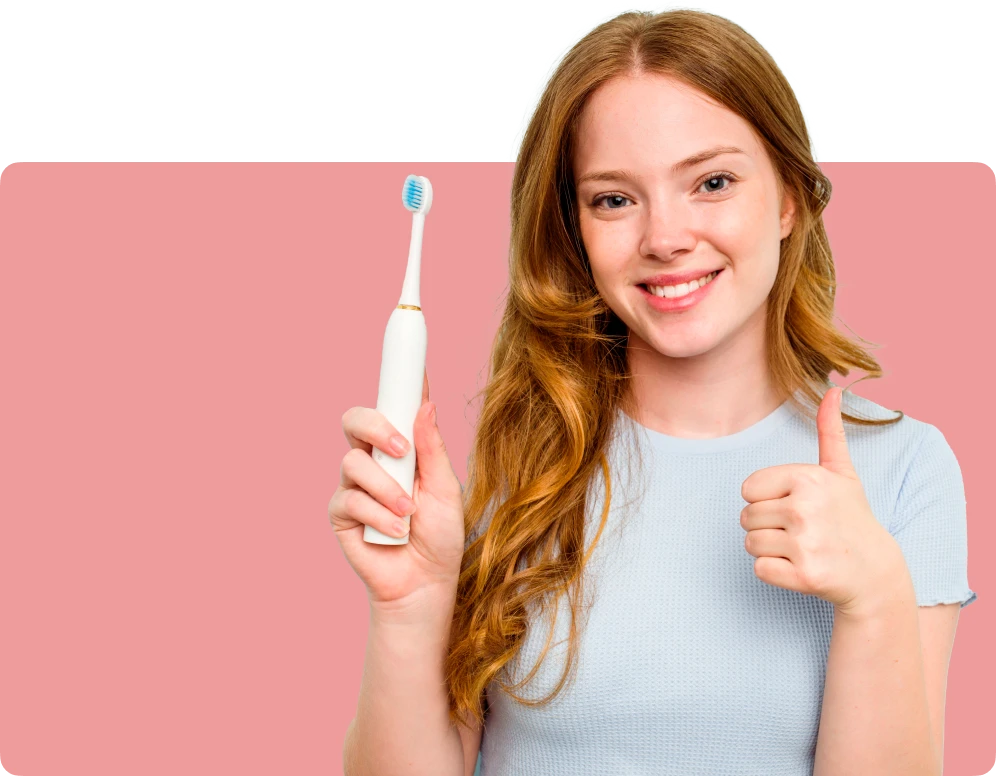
{"x":402,"y":723}
{"x":875,"y":717}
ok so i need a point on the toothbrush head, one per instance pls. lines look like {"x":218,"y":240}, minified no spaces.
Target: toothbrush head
{"x":417,"y":194}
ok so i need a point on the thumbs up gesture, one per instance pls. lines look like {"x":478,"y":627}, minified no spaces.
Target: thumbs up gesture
{"x":810,"y":526}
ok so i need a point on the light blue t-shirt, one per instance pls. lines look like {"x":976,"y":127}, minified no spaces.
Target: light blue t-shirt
{"x":689,"y":664}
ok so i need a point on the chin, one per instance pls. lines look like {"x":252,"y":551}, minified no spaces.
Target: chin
{"x":686,"y":347}
{"x":690,"y":352}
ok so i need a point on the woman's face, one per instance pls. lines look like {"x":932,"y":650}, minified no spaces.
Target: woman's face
{"x":659,"y":217}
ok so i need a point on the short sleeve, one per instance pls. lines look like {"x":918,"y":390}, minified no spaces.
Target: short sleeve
{"x":930,"y":523}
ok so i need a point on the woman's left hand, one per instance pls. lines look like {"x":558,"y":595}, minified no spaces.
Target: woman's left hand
{"x":811,"y":528}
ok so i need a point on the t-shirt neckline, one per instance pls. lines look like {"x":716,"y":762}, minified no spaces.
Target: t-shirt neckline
{"x":742,"y":438}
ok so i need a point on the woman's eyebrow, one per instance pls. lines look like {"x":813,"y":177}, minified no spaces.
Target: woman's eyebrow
{"x":684,"y":164}
{"x":703,"y":156}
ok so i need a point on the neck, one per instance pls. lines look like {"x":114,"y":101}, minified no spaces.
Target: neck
{"x":716,"y":393}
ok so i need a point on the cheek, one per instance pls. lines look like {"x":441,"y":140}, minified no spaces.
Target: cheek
{"x":607,"y":251}
{"x":749,"y":236}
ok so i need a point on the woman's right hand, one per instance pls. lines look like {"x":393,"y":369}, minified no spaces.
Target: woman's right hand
{"x":396,"y":574}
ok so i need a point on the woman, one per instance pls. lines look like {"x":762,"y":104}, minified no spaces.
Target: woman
{"x":676,"y":560}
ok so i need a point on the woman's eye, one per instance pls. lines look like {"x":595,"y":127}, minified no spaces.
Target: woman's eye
{"x":714,"y":179}
{"x":602,"y":197}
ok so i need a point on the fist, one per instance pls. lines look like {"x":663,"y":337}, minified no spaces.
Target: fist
{"x":810,"y":526}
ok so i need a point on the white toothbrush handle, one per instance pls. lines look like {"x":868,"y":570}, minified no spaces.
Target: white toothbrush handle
{"x":402,"y":371}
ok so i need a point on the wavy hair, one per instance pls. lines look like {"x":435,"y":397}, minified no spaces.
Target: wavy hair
{"x":558,"y":368}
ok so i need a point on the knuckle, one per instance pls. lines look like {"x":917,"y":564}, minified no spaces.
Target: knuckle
{"x":811,"y":576}
{"x":808,"y":545}
{"x":813,"y":475}
{"x":341,"y":507}
{"x":351,"y":460}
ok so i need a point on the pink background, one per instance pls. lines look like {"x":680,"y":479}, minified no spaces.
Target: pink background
{"x":179,"y":342}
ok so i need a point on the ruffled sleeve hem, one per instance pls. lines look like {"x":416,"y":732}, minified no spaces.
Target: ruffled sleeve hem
{"x":957,"y":598}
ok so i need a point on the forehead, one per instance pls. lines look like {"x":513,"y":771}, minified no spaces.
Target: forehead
{"x":636,"y":121}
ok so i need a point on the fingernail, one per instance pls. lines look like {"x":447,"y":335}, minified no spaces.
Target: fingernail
{"x":400,"y":527}
{"x":405,"y":505}
{"x":399,"y":444}
{"x":433,"y":416}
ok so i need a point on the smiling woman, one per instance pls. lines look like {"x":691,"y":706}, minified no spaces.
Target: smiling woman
{"x":667,"y":346}
{"x":660,"y":145}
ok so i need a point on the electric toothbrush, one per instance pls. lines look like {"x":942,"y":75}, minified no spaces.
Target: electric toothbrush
{"x":402,"y":366}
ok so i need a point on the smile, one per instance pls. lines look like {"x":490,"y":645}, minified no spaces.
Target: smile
{"x":673,"y":292}
{"x":680,"y":297}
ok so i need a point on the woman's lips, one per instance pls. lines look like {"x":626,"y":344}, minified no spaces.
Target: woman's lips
{"x":673,"y":304}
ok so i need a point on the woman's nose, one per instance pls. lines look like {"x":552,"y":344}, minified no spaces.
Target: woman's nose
{"x":668,"y":229}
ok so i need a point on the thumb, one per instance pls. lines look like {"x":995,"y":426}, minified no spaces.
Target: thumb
{"x":834,"y":454}
{"x":435,"y":472}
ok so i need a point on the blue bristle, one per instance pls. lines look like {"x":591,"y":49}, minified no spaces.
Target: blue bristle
{"x":413,"y":193}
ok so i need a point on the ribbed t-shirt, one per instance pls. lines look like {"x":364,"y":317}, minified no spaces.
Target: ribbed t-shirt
{"x":688,"y":663}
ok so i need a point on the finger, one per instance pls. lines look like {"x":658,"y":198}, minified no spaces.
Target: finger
{"x":350,"y":507}
{"x":765,"y":514}
{"x":778,"y":571}
{"x":361,"y":471}
{"x":425,"y":386}
{"x":771,"y":482}
{"x":366,"y":428}
{"x":770,"y":542}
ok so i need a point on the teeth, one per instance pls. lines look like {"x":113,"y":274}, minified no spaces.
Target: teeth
{"x":682,"y":288}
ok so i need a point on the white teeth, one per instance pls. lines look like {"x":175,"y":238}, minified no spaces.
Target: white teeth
{"x":682,"y":288}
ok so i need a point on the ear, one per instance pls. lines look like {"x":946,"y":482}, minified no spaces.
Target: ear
{"x":788,"y":213}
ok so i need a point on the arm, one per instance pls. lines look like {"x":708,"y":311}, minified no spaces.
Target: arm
{"x":938,"y":624}
{"x":875,"y":716}
{"x":402,"y":723}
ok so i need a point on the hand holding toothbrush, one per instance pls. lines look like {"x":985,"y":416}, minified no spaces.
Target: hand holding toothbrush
{"x":368,"y":495}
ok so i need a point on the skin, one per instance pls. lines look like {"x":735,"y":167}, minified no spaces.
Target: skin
{"x":700,"y":372}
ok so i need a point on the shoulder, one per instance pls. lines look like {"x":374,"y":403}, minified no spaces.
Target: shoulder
{"x":899,"y":463}
{"x":914,"y":481}
{"x":899,"y":442}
